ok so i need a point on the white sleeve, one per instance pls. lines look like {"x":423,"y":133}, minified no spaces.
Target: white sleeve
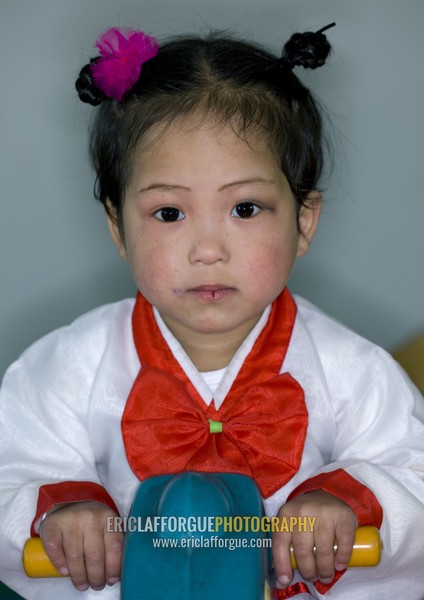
{"x":380,"y":442}
{"x":44,"y":439}
{"x":366,"y":421}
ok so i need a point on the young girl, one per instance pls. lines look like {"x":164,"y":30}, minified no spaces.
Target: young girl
{"x":208,"y":154}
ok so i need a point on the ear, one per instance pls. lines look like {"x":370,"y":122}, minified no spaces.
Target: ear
{"x":115,"y":230}
{"x":308,"y":221}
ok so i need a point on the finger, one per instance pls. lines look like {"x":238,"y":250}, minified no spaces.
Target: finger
{"x":74,"y":552}
{"x":51,"y":536}
{"x":304,"y":551}
{"x":113,"y":548}
{"x":345,"y":538}
{"x":324,"y":543}
{"x":94,"y":555}
{"x":281,"y":558}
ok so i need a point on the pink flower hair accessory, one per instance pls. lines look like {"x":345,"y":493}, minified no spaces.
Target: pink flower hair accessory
{"x":122,"y":54}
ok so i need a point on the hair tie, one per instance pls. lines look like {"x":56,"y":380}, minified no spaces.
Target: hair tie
{"x":122,"y":54}
{"x":309,"y":49}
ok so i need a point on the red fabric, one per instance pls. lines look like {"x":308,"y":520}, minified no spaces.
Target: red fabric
{"x":342,"y":485}
{"x":165,"y":424}
{"x":291,"y":591}
{"x":360,"y":499}
{"x":69,"y":491}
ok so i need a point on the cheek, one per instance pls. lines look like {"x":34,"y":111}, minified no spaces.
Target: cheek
{"x":268,"y":273}
{"x":153,"y":266}
{"x":273,"y":258}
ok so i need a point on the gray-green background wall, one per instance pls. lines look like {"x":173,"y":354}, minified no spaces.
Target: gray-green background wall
{"x":366,"y":266}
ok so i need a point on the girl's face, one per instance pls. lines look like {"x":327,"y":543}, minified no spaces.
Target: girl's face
{"x":210,"y":230}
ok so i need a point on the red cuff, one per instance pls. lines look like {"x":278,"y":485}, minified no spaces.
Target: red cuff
{"x":69,"y":491}
{"x":291,"y":591}
{"x":356,"y":495}
{"x":342,"y":485}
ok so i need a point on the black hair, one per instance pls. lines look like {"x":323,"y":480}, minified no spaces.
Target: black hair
{"x":218,"y":77}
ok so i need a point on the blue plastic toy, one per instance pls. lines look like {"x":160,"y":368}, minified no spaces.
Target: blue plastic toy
{"x":196,"y":558}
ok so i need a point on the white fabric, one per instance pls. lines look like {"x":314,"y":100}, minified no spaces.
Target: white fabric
{"x":232,"y":369}
{"x":61,"y":404}
{"x":213,"y":378}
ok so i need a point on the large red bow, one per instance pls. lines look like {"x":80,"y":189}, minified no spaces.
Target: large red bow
{"x":262,"y":435}
{"x":259,"y":429}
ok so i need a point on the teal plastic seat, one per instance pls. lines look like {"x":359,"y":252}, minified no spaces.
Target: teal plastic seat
{"x":167,"y":560}
{"x":7,"y":594}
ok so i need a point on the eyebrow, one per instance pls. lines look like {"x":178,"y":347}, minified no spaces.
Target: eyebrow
{"x":251,"y":181}
{"x":163,"y":186}
{"x":226,"y":186}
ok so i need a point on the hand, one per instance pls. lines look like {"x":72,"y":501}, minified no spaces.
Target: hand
{"x":77,"y":543}
{"x":335,"y":520}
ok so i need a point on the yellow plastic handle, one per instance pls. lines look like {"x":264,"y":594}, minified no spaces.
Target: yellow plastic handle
{"x":35,"y":560}
{"x":366,"y":553}
{"x":366,"y":548}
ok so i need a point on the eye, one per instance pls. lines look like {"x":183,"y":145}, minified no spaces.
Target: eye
{"x":245,"y":210}
{"x":169,"y":214}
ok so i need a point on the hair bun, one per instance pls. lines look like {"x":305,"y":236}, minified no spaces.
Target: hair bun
{"x":309,"y":50}
{"x":86,"y":88}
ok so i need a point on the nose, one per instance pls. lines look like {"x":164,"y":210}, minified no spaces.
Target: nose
{"x":209,"y":243}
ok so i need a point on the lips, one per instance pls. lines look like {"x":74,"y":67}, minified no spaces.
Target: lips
{"x":211,"y":291}
{"x":210,"y":288}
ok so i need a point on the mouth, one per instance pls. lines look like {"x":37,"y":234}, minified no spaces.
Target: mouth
{"x":211,"y":292}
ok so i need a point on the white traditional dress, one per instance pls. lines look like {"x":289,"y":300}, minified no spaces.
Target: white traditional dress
{"x":67,"y":405}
